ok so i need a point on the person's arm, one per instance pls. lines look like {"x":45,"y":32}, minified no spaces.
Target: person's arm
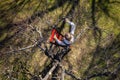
{"x":59,"y":42}
{"x":73,"y":26}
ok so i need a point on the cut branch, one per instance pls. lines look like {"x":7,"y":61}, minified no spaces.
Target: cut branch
{"x":63,"y":74}
{"x":50,"y":71}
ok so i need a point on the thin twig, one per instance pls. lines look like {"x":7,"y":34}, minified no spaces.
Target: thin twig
{"x":81,"y":33}
{"x":72,"y":75}
{"x":36,"y":29}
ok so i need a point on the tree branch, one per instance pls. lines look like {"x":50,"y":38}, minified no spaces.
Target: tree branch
{"x":63,"y":74}
{"x":72,"y":75}
{"x":50,"y":71}
{"x":98,"y":74}
{"x":28,"y":47}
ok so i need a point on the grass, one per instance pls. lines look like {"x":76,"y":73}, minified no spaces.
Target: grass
{"x":82,"y":54}
{"x":3,"y":36}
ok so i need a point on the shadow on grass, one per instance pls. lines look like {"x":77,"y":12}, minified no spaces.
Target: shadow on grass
{"x":105,"y":63}
{"x":105,"y":6}
{"x":106,"y":59}
{"x":16,"y":8}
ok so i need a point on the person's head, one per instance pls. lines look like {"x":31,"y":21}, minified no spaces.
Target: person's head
{"x":68,"y":36}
